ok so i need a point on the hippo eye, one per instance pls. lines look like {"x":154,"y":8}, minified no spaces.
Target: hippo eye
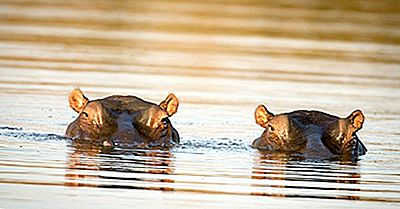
{"x":85,"y":114}
{"x":164,"y":121}
{"x":271,"y":128}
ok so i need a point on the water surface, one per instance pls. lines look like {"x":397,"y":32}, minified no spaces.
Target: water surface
{"x":222,"y":59}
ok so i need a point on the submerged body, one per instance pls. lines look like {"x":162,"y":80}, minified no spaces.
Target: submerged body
{"x":126,"y":120}
{"x":313,"y":133}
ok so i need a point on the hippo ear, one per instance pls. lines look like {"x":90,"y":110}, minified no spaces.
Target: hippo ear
{"x":262,"y":116}
{"x":356,"y":119}
{"x":170,"y":104}
{"x":77,"y":101}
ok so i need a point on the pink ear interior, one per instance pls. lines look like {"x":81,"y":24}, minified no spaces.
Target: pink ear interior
{"x":77,"y":100}
{"x":357,"y":119}
{"x":262,"y":116}
{"x":170,"y":104}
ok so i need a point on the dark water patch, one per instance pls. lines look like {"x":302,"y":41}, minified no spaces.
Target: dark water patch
{"x":11,"y":128}
{"x":18,"y":133}
{"x":214,"y":144}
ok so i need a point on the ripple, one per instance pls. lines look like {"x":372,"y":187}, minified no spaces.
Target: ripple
{"x":222,"y":58}
{"x":216,"y":144}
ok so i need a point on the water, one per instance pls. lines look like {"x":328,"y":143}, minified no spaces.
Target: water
{"x":222,"y":59}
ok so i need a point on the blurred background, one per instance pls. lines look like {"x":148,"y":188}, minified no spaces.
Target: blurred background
{"x":221,"y":58}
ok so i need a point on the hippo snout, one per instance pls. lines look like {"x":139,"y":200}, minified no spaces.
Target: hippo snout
{"x":126,"y":136}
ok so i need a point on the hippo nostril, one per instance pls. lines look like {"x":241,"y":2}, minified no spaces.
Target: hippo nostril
{"x":107,"y":143}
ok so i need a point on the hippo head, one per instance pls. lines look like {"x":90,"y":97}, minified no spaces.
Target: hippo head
{"x":281,"y":132}
{"x":340,"y":135}
{"x":123,"y":120}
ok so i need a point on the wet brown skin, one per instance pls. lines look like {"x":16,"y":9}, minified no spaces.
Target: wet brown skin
{"x":123,"y":120}
{"x":313,"y":133}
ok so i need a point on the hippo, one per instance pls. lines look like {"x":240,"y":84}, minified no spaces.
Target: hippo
{"x":313,"y":133}
{"x":123,"y":120}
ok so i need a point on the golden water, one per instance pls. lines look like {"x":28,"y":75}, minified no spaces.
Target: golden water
{"x":221,"y":58}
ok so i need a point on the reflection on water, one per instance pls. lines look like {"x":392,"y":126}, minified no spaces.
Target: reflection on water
{"x":118,"y":168}
{"x":221,"y":58}
{"x":327,"y":177}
